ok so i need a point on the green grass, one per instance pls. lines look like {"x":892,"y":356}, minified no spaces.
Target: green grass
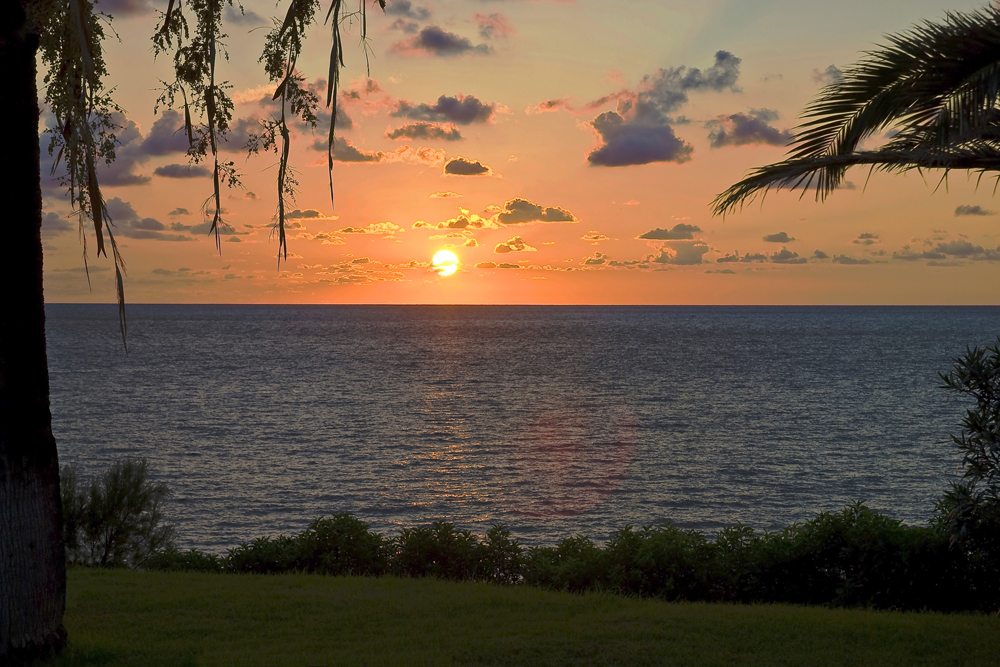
{"x":117,"y":617}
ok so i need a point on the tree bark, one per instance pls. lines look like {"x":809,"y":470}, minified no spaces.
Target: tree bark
{"x":32,"y":556}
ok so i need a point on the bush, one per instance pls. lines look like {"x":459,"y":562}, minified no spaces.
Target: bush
{"x":342,"y":545}
{"x":436,"y":551}
{"x":114,"y":521}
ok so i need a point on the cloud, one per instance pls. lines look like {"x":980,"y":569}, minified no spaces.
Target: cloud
{"x":445,"y":195}
{"x":549,"y":106}
{"x":780,"y":237}
{"x":433,"y":41}
{"x":639,"y":131}
{"x":179,"y":211}
{"x":680,"y":253}
{"x":494,"y":265}
{"x":829,"y":75}
{"x":679,"y":231}
{"x":407,"y":9}
{"x":54,"y":224}
{"x":122,"y":8}
{"x":593,"y":238}
{"x":746,"y":259}
{"x":740,"y":129}
{"x":460,"y":109}
{"x":309,"y":214}
{"x":866,"y":238}
{"x":520,"y":211}
{"x":493,"y":26}
{"x":461,"y":166}
{"x":785,"y":256}
{"x":128,"y":224}
{"x":819,"y":254}
{"x":345,"y":151}
{"x":404,"y":26}
{"x":470,"y":243}
{"x":167,"y":135}
{"x":514,"y":244}
{"x":466,"y":220}
{"x":597,"y":259}
{"x":384,"y":229}
{"x":966,"y":209}
{"x":182,"y":171}
{"x":626,"y":144}
{"x":243,"y":17}
{"x":958,"y":249}
{"x":851,"y":261}
{"x":426,"y":131}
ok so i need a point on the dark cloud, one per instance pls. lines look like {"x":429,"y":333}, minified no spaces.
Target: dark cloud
{"x":679,"y":231}
{"x":407,"y":9}
{"x":122,"y":8}
{"x":958,"y":249}
{"x":309,"y":213}
{"x":844,"y":259}
{"x":128,"y":224}
{"x":829,"y":75}
{"x":966,"y":209}
{"x":866,"y":238}
{"x":740,"y":129}
{"x":819,"y":254}
{"x":461,"y":110}
{"x":167,"y":136}
{"x":786,"y":256}
{"x":53,"y":224}
{"x":780,"y":237}
{"x":434,"y":41}
{"x":425,"y":131}
{"x":344,"y":151}
{"x":597,"y":259}
{"x":639,"y":131}
{"x":182,"y":171}
{"x":626,"y":144}
{"x":460,"y":166}
{"x":746,"y":259}
{"x":179,"y":211}
{"x":243,"y":17}
{"x":594,"y":238}
{"x":519,"y":211}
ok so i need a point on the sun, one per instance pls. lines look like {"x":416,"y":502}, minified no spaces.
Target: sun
{"x":445,"y":262}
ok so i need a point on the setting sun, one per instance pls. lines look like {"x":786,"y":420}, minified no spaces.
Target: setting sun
{"x":445,"y":262}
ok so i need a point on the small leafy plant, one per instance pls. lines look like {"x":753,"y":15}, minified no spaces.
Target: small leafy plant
{"x":115,"y":519}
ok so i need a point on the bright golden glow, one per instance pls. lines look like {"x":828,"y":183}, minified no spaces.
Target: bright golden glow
{"x":445,"y":262}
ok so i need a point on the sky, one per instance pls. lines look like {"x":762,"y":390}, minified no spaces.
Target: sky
{"x":566,"y":151}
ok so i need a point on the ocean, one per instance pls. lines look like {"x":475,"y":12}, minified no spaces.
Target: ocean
{"x":552,"y":420}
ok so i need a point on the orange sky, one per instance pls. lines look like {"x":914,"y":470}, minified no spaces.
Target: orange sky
{"x":594,"y":124}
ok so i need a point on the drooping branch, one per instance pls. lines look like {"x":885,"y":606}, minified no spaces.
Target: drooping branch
{"x":70,"y":45}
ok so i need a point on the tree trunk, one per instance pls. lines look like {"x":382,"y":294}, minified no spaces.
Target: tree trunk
{"x":32,"y":557}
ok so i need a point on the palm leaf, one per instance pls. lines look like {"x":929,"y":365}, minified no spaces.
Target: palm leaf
{"x":937,"y":85}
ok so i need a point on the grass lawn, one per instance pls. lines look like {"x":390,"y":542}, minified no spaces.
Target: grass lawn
{"x":152,"y":618}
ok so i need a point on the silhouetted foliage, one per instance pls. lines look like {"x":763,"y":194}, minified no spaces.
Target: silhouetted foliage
{"x":114,"y":520}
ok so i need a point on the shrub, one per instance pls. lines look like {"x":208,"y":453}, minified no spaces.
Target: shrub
{"x":114,"y":521}
{"x":500,"y":557}
{"x":436,"y":551}
{"x":342,"y":545}
{"x":264,"y":556}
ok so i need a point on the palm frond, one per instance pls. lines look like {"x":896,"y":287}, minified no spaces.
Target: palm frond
{"x":937,"y":85}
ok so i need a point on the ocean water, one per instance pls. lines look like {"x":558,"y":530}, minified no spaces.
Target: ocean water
{"x":551,"y":420}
